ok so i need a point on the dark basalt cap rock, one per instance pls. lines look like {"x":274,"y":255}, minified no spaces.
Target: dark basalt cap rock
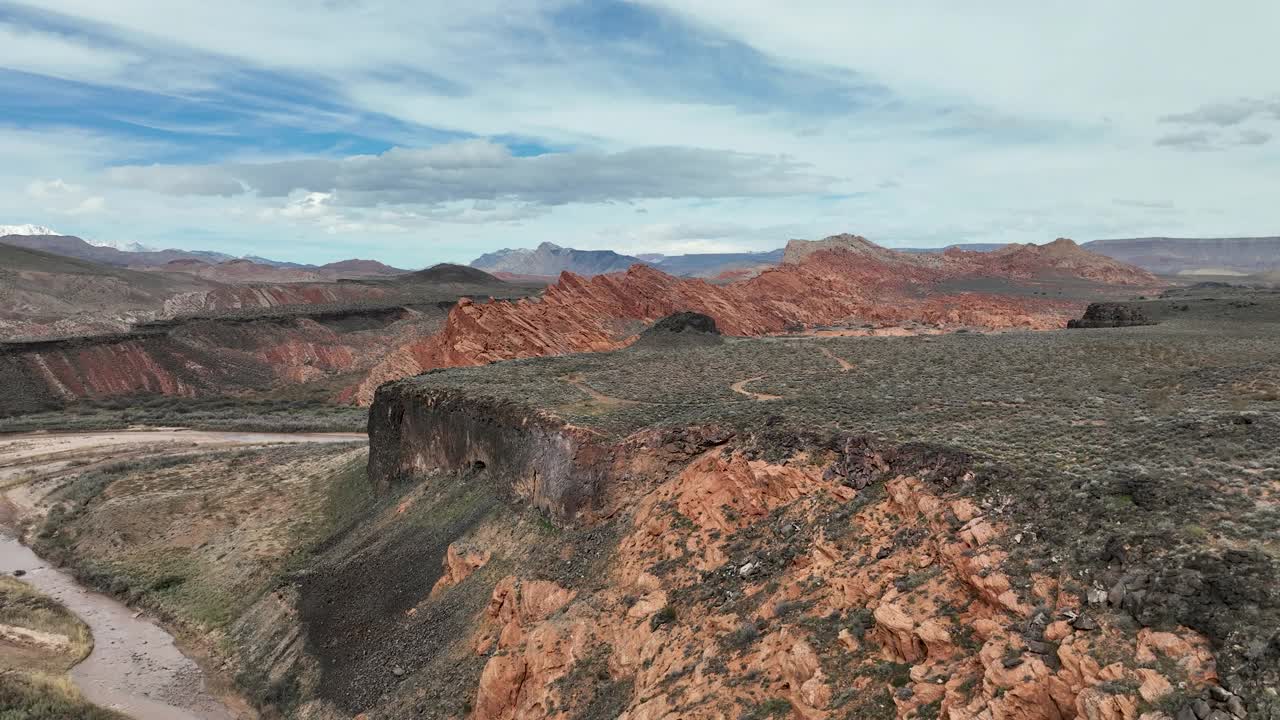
{"x":683,"y":328}
{"x":1109,"y":315}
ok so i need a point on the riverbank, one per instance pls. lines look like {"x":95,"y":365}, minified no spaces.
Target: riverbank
{"x":135,"y":666}
{"x":138,"y":666}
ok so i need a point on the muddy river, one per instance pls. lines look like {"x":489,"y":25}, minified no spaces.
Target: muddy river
{"x":134,"y":667}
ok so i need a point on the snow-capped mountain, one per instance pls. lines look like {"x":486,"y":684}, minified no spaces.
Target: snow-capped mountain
{"x":26,"y":230}
{"x":40,"y":230}
{"x":122,"y":246}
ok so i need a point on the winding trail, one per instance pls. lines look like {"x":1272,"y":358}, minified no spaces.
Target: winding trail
{"x":740,"y":387}
{"x":596,"y":396}
{"x":135,"y":666}
{"x":845,"y":365}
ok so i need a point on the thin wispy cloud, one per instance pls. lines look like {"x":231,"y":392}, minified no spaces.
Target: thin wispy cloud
{"x":1228,"y":113}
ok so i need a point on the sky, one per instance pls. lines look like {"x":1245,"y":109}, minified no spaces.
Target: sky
{"x":418,"y":132}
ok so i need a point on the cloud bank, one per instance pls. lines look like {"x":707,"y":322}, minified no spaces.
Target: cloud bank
{"x":485,"y":170}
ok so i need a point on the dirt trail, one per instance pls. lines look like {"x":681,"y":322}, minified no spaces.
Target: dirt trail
{"x":135,"y":667}
{"x":740,"y":387}
{"x":595,"y":395}
{"x":845,"y":365}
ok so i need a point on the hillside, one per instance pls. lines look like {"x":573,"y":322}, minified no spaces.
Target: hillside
{"x":451,"y":273}
{"x":239,"y":271}
{"x":44,"y":294}
{"x":356,"y":268}
{"x":256,"y":343}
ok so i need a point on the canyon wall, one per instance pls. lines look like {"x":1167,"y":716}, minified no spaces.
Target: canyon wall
{"x":205,"y":356}
{"x":558,"y":468}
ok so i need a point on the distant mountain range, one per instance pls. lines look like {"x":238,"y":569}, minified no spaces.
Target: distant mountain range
{"x":714,"y":264}
{"x":1195,"y":256}
{"x":26,"y":230}
{"x":1160,"y":255}
{"x":549,"y":260}
{"x":1163,"y":256}
{"x":205,"y":263}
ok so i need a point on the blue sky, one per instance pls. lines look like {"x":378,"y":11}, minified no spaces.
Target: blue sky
{"x":421,"y":132}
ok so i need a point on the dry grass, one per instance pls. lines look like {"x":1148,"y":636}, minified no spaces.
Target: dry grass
{"x":199,"y":538}
{"x":36,"y":696}
{"x":38,"y":633}
{"x":39,"y":641}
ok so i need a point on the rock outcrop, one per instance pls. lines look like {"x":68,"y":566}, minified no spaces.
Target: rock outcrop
{"x":1110,"y":315}
{"x":680,"y":329}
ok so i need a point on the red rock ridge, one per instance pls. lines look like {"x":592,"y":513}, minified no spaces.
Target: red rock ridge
{"x":844,"y":278}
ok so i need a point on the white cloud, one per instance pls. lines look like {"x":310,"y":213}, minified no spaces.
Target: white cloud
{"x":484,"y":170}
{"x":1078,"y":61}
{"x":59,"y":196}
{"x":45,"y":53}
{"x":89,"y":205}
{"x":301,"y":205}
{"x":1254,"y":137}
{"x":45,"y":189}
{"x":1188,"y":140}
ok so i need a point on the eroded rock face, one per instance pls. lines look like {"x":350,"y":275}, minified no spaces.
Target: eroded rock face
{"x":744,"y":584}
{"x":558,"y":468}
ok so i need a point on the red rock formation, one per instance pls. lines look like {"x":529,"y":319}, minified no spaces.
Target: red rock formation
{"x":939,"y":609}
{"x":840,"y":279}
